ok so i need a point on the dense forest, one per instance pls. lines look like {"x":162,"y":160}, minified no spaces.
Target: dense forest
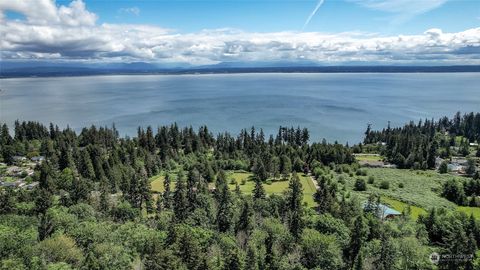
{"x":417,"y":145}
{"x":94,"y":208}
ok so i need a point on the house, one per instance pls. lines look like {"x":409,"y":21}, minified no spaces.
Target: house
{"x":381,"y":210}
{"x":20,"y":183}
{"x":14,"y":171}
{"x":7,"y":184}
{"x":459,"y":160}
{"x":19,"y":158}
{"x":31,"y":185}
{"x":455,"y":167}
{"x":38,"y":159}
{"x":389,"y":166}
{"x":473,"y":144}
{"x":387,"y":212}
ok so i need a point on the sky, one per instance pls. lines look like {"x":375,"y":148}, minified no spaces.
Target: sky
{"x":323,"y":32}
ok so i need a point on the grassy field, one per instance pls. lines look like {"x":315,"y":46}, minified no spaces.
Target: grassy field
{"x":470,"y":210}
{"x":420,"y":188}
{"x":276,"y":187}
{"x":415,"y":211}
{"x":157,"y":183}
{"x":368,"y":157}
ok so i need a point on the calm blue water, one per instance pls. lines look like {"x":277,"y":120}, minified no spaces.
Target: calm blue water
{"x":332,"y":106}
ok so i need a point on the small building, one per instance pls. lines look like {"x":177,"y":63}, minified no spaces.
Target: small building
{"x":473,"y":144}
{"x":31,"y":185}
{"x":38,"y":159}
{"x":459,"y":160}
{"x":7,"y":184}
{"x":14,"y":170}
{"x":20,"y":183}
{"x":19,"y":158}
{"x":381,"y":210}
{"x":389,"y":166}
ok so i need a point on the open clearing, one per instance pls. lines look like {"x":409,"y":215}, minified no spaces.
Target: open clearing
{"x":276,"y":187}
{"x":420,"y":188}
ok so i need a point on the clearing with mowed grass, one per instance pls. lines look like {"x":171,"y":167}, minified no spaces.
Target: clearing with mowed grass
{"x":246,"y":184}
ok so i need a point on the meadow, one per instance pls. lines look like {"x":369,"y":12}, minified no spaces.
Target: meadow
{"x":416,"y":188}
{"x":246,"y":184}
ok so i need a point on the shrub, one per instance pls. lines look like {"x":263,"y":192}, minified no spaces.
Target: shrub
{"x":243,"y":182}
{"x":385,"y":185}
{"x":371,"y":179}
{"x":443,"y":167}
{"x":400,"y":185}
{"x":268,"y":182}
{"x":233,"y":181}
{"x":360,"y":185}
{"x":453,"y":191}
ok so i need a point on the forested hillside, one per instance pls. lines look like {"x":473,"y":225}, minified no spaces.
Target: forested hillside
{"x":94,"y":208}
{"x":416,"y":145}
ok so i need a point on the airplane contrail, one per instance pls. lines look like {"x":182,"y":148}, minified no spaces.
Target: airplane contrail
{"x":320,"y":3}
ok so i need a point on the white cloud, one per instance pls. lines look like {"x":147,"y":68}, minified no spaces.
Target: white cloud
{"x":131,"y":10}
{"x":403,"y":9}
{"x":45,"y":12}
{"x":70,"y":33}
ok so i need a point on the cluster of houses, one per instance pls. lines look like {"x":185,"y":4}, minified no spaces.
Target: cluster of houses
{"x":19,"y":175}
{"x":457,"y":165}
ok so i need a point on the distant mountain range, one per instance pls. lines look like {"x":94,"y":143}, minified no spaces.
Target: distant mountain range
{"x":48,"y":69}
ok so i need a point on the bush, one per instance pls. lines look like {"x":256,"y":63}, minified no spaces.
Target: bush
{"x":443,"y":167}
{"x":360,"y":185}
{"x":400,"y":185}
{"x":385,"y":185}
{"x":243,"y":182}
{"x":233,"y":181}
{"x":341,"y":179}
{"x":371,"y":179}
{"x":268,"y":182}
{"x":453,"y":191}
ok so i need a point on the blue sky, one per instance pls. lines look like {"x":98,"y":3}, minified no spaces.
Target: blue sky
{"x":174,"y":32}
{"x":280,"y":15}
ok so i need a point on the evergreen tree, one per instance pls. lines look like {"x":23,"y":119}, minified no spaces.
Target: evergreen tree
{"x":224,"y":201}
{"x":357,"y":239}
{"x":245,"y":221}
{"x":167,"y":194}
{"x":252,"y":258}
{"x":259,"y":190}
{"x":359,"y":261}
{"x":443,"y":167}
{"x":386,"y":260}
{"x":294,"y":197}
{"x":180,"y":199}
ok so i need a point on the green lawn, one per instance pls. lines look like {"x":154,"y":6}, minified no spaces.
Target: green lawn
{"x":157,"y":183}
{"x":420,"y":188}
{"x":276,"y":187}
{"x":368,"y":157}
{"x":415,"y":211}
{"x":470,"y":210}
